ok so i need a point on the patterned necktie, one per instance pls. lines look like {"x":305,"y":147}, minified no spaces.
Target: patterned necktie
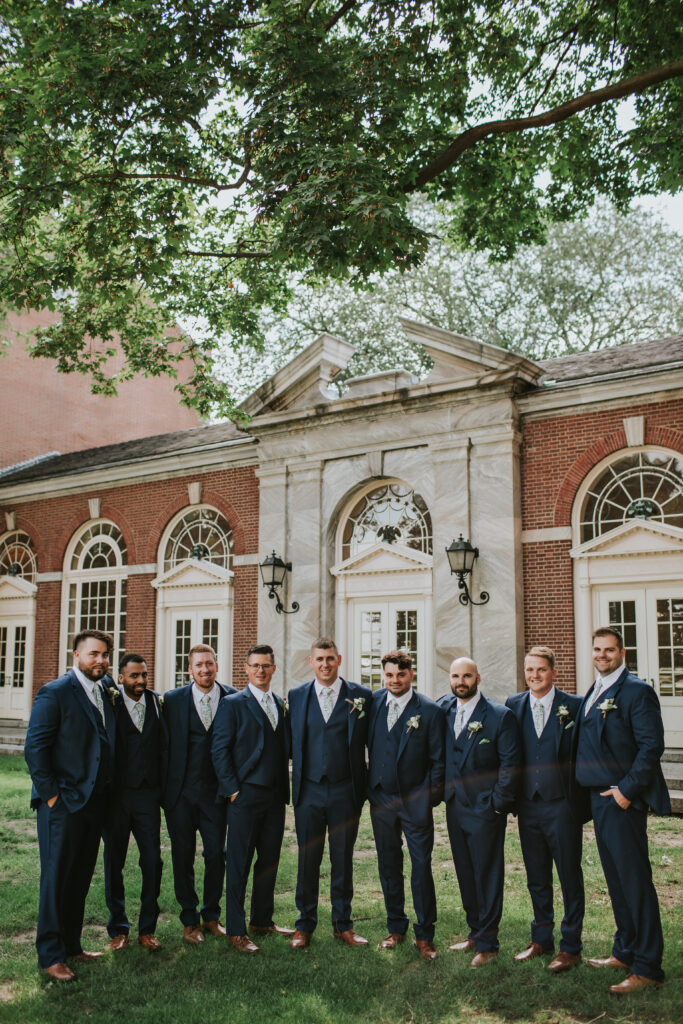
{"x":459,"y":721}
{"x":538,"y":717}
{"x":268,"y":706}
{"x":393,"y":714}
{"x":206,"y":715}
{"x":597,"y":689}
{"x":326,"y":703}
{"x":139,"y":715}
{"x":97,"y":694}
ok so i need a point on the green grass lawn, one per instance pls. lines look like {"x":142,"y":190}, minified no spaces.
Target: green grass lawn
{"x":328,"y":982}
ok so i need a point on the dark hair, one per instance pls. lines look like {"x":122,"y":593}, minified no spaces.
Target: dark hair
{"x":542,"y":652}
{"x":200,"y":649}
{"x":400,"y":658}
{"x":128,"y":659}
{"x":324,"y":643}
{"x":94,"y":634}
{"x":261,"y":649}
{"x":610,"y":631}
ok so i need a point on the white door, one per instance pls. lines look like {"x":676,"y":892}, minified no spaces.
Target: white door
{"x":381,"y":626}
{"x":191,"y":627}
{"x":13,"y":652}
{"x":650,"y":619}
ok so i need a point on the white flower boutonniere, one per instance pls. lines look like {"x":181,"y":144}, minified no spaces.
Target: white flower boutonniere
{"x":473,"y":727}
{"x":285,"y":707}
{"x":562,"y":714}
{"x":413,"y":723}
{"x":607,"y":706}
{"x":358,"y":705}
{"x":114,"y":696}
{"x":160,"y":698}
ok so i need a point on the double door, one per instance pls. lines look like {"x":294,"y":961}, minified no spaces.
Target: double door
{"x":383,"y":625}
{"x":198,"y":626}
{"x":13,"y":668}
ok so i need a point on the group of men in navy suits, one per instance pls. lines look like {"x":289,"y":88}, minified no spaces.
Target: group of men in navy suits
{"x":104,"y":758}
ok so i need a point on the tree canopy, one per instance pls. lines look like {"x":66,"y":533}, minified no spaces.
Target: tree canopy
{"x":183,"y":161}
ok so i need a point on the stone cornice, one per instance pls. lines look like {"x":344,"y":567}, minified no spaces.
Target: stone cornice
{"x":571,"y":397}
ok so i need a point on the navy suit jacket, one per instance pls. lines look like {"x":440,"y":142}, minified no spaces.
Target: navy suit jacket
{"x":420,"y":758}
{"x":298,"y":699}
{"x":631,"y":738}
{"x":562,"y":731}
{"x":238,"y":739}
{"x":177,"y":708}
{"x":62,"y":747}
{"x":486,"y":774}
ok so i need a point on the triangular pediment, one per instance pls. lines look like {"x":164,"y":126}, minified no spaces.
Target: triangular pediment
{"x":193,"y":573}
{"x":304,"y":382}
{"x":383,"y":558}
{"x":640,"y":536}
{"x":457,"y":357}
{"x":12,"y":587}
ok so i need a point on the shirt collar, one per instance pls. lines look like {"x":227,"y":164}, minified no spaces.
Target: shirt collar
{"x":334,"y":687}
{"x":546,"y":700}
{"x":213,"y":693}
{"x":130,"y":704}
{"x":610,"y":680}
{"x":468,"y":706}
{"x":89,"y":684}
{"x":255,"y":692}
{"x":403,"y":700}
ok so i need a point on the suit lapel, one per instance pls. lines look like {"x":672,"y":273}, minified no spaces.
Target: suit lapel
{"x":253,"y":706}
{"x":84,"y":701}
{"x":612,"y":694}
{"x":408,"y":711}
{"x":472,"y":738}
{"x":554,"y":720}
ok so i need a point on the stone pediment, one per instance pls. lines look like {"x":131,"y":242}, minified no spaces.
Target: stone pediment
{"x":13,"y":587}
{"x":639,"y":537}
{"x":304,"y":382}
{"x":193,"y":573}
{"x":457,"y":357}
{"x":383,"y":558}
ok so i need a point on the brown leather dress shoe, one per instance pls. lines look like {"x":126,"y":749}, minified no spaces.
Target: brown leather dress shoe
{"x":243,"y":944}
{"x":531,"y":952}
{"x":214,"y":928}
{"x":118,"y":942}
{"x":350,"y":938}
{"x":392,"y":940}
{"x":86,"y":958}
{"x":271,"y":929}
{"x":192,"y":933}
{"x":425,"y":948}
{"x":150,"y":942}
{"x":60,"y":972}
{"x":608,"y":961}
{"x":300,"y":939}
{"x":634,"y":983}
{"x":484,"y":957}
{"x":463,"y":947}
{"x":564,"y":962}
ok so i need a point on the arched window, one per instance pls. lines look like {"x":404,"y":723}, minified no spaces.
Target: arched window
{"x":95,"y":586}
{"x":201,"y":533}
{"x":391,"y":513}
{"x":17,"y":556}
{"x":641,"y":485}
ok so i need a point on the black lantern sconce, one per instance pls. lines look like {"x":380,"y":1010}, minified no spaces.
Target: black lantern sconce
{"x":273,"y":572}
{"x":461,"y":558}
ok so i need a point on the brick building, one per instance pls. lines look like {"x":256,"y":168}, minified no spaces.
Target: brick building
{"x":567,"y":475}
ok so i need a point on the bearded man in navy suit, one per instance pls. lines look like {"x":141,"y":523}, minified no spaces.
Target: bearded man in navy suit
{"x":405,"y":781}
{"x":329,"y":723}
{"x":620,"y":740}
{"x":70,"y":746}
{"x":250,"y":752}
{"x":550,"y":808}
{"x":483,"y":758}
{"x":190,"y":797}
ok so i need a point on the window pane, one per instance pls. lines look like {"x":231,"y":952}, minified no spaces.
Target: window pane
{"x":183,"y":643}
{"x":622,"y":615}
{"x":19,"y":657}
{"x":3,"y":654}
{"x":210,"y":634}
{"x":406,"y":637}
{"x":371,"y":649}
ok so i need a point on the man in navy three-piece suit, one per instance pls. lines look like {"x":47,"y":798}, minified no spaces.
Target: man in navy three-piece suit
{"x":190,"y":797}
{"x":405,"y":781}
{"x":69,"y":749}
{"x":550,"y":808}
{"x":135,"y":806}
{"x":250,"y":752}
{"x":483,"y":758}
{"x":329,"y":724}
{"x":620,"y":740}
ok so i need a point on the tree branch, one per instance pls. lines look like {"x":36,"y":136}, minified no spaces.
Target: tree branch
{"x":467,"y":139}
{"x":237,"y":254}
{"x":339,"y":15}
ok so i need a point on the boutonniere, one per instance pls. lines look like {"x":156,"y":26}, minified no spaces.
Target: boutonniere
{"x":473,"y":727}
{"x":285,"y":707}
{"x":563,"y":713}
{"x":606,"y":706}
{"x":357,"y":704}
{"x":483,"y":740}
{"x":114,"y":696}
{"x":413,"y":723}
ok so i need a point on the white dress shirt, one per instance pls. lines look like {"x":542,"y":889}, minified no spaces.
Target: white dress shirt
{"x":214,"y":694}
{"x":609,"y":680}
{"x":334,"y":689}
{"x":546,"y":701}
{"x":260,"y":696}
{"x":468,"y":707}
{"x":403,"y":700}
{"x":88,"y":685}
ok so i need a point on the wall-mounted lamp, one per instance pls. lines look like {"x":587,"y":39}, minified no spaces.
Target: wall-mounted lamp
{"x":273,"y":572}
{"x":461,"y":558}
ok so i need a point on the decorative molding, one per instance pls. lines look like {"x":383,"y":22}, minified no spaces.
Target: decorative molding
{"x":10,"y":520}
{"x":375,"y":463}
{"x":634,"y":428}
{"x":49,"y":577}
{"x":94,"y":505}
{"x":194,"y":492}
{"x":548,"y":533}
{"x":143,"y":569}
{"x":239,"y":560}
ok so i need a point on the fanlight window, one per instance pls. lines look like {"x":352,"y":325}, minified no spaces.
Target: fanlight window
{"x":201,"y":533}
{"x":392,"y":514}
{"x":101,"y":546}
{"x":17,"y":557}
{"x":95,"y":585}
{"x":646,"y":485}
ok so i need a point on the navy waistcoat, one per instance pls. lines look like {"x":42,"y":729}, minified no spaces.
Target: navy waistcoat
{"x":326,"y":753}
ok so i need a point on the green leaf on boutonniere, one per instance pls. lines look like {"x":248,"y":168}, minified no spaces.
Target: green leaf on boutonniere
{"x":358,"y":705}
{"x":484,"y":740}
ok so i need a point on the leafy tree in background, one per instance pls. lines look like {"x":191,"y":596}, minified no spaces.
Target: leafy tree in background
{"x":170,"y":161}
